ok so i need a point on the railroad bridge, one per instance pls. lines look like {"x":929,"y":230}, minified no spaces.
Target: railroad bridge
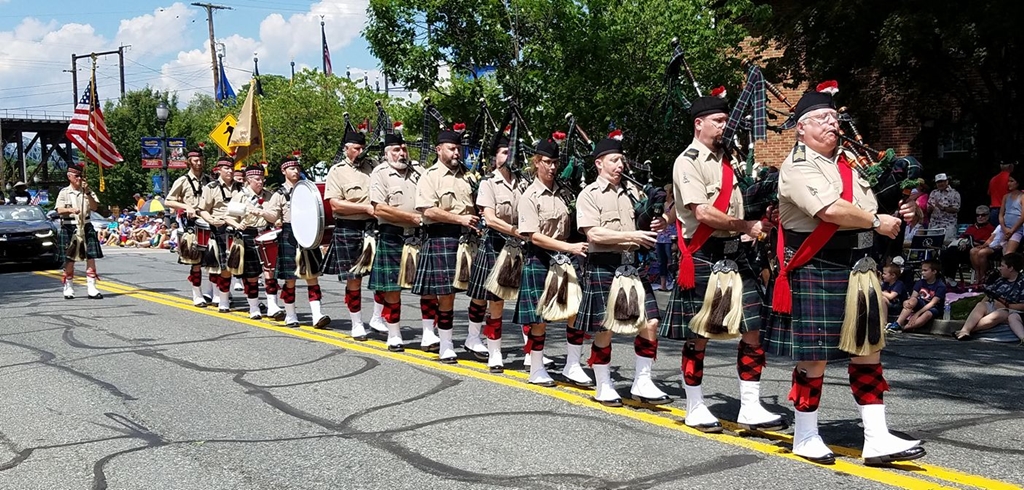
{"x":47,"y":133}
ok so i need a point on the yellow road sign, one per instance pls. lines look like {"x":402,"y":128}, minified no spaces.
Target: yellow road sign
{"x":222,"y":133}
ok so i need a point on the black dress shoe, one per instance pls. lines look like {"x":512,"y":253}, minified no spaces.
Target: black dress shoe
{"x":496,"y":369}
{"x":96,"y":296}
{"x":480,"y":356}
{"x":279,"y":316}
{"x":208,"y":299}
{"x":712,"y":428}
{"x":661,"y":400}
{"x":909,"y":454}
{"x":67,"y":296}
{"x":449,"y":360}
{"x":610,"y":403}
{"x":361,"y":338}
{"x":431,"y":348}
{"x":828,"y":459}
{"x":779,"y":424}
{"x":585,"y":386}
{"x":396,"y":348}
{"x":323,"y":323}
{"x":200,"y":305}
{"x":545,"y":384}
{"x":224,"y":310}
{"x":292,"y":325}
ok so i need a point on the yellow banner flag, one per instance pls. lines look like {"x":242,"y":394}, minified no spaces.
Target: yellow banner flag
{"x":247,"y":136}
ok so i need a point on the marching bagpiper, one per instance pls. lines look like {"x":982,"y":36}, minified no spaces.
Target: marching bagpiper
{"x":717,"y":296}
{"x":828,"y":221}
{"x":348,"y":189}
{"x":185,"y":196}
{"x":393,"y":197}
{"x":279,"y":208}
{"x":243,"y":257}
{"x":78,"y":240}
{"x":214,"y":210}
{"x":445,"y":197}
{"x":605,"y":214}
{"x":497,"y":198}
{"x":548,"y":278}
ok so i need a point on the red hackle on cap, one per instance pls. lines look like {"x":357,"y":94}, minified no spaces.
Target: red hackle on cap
{"x":719,"y":92}
{"x":828,"y":87}
{"x":558,"y":136}
{"x":615,"y":135}
{"x":398,"y":126}
{"x":459,"y":127}
{"x":362,"y":127}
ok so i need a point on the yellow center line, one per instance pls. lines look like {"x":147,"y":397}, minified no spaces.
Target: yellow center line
{"x":909,"y":475}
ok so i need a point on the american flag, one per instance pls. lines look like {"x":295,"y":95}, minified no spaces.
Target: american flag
{"x":327,"y":53}
{"x":95,"y":140}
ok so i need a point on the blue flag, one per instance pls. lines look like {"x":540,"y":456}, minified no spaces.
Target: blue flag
{"x":224,"y":90}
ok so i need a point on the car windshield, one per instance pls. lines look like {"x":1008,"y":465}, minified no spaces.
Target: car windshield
{"x":21,"y":213}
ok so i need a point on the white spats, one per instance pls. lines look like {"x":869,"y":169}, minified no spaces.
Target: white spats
{"x":254,"y":308}
{"x":539,"y":375}
{"x":197,"y":296}
{"x":90,"y":284}
{"x":877,"y":439}
{"x":697,"y":413}
{"x":69,"y":289}
{"x":643,"y":388}
{"x":604,"y":390}
{"x":494,"y":358}
{"x":447,"y":350}
{"x":290,"y":317}
{"x":429,"y":337}
{"x":572,"y":370}
{"x":806,"y":441}
{"x":358,"y":331}
{"x":473,"y":342}
{"x":377,"y":320}
{"x":272,"y":307}
{"x":752,"y":413}
{"x":394,"y":335}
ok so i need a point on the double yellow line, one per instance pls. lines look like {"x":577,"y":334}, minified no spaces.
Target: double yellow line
{"x":910,"y":475}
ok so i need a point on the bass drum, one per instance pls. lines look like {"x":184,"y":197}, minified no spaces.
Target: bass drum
{"x":312,"y":220}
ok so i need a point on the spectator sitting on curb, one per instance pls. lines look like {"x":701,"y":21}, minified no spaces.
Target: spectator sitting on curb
{"x":1004,"y":296}
{"x":893,"y":289}
{"x":926,"y":300}
{"x":961,"y":250}
{"x":171,"y":242}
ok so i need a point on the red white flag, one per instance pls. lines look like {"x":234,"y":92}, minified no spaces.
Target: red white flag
{"x":88,"y":132}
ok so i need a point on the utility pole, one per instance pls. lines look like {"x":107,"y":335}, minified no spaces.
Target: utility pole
{"x":213,"y":46}
{"x":74,"y":69}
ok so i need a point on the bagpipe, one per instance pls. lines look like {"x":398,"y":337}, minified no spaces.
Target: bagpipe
{"x":892,"y":178}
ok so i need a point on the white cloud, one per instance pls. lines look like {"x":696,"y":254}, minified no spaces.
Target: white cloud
{"x":163,"y":31}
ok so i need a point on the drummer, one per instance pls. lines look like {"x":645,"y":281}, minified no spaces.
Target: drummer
{"x":348,"y":189}
{"x":255,"y":220}
{"x":213,"y":209}
{"x":280,"y":208}
{"x":185,"y":196}
{"x":393,"y":196}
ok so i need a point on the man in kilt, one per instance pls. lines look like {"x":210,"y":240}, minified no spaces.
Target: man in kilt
{"x":185,"y":196}
{"x":393,"y":196}
{"x":445,"y":197}
{"x":348,"y":188}
{"x":255,"y":221}
{"x":605,"y":214}
{"x":280,"y":208}
{"x":713,"y":235}
{"x":810,"y":289}
{"x":214,"y":210}
{"x":75,"y":202}
{"x":496,"y":198}
{"x":544,"y":219}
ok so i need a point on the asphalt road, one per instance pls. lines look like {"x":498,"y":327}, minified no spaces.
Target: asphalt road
{"x":142,"y":390}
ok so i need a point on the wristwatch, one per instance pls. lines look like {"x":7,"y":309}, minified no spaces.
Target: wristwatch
{"x":876,"y":223}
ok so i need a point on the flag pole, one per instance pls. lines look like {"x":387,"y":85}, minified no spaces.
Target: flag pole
{"x":89,"y":137}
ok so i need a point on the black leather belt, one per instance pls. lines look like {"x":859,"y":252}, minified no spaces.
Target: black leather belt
{"x":717,"y":248}
{"x":444,"y":230}
{"x":541,"y":254}
{"x":351,"y":224}
{"x":387,"y":229}
{"x":605,"y":258}
{"x":841,"y":240}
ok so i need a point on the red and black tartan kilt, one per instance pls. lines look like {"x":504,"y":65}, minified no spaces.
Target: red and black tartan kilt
{"x":811,"y":332}
{"x":491,"y":245}
{"x":535,"y":273}
{"x":251,"y":260}
{"x":345,"y":249}
{"x":92,"y":242}
{"x":596,"y":284}
{"x":684,"y":305}
{"x":220,"y":235}
{"x":287,"y":247}
{"x":387,"y":262}
{"x":435,"y":268}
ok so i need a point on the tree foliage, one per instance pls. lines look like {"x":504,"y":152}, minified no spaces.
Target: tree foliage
{"x":602,"y":60}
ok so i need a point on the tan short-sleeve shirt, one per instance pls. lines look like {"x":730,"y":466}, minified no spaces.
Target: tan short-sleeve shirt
{"x":500,"y":195}
{"x":68,"y":197}
{"x":541,"y":211}
{"x":445,"y":188}
{"x":608,"y":206}
{"x":280,"y":203}
{"x":186,"y":190}
{"x":246,"y":196}
{"x":396,"y":188}
{"x":697,"y":179}
{"x":216,"y":197}
{"x":349,"y":183}
{"x":809,"y":182}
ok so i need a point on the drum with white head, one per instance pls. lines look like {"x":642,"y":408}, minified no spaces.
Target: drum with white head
{"x":312,"y":220}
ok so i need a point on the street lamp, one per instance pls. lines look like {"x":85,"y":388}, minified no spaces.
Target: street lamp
{"x":162,"y":113}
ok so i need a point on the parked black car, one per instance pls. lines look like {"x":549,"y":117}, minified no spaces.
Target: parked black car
{"x":26,"y":235}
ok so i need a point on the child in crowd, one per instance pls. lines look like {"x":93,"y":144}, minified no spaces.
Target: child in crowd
{"x":893,"y":289}
{"x":927,"y":299}
{"x":172,"y":238}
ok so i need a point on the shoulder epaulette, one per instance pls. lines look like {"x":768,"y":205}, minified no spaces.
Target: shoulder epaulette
{"x":212,"y":185}
{"x":799,"y":153}
{"x":691,"y":153}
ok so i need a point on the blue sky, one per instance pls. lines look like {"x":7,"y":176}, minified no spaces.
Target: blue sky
{"x":169,"y":44}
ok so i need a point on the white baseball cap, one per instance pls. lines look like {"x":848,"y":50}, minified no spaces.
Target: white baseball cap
{"x":941,"y":177}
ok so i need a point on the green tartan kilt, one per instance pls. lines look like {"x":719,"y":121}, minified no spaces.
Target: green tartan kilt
{"x":491,"y":245}
{"x":435,"y":268}
{"x":811,"y":332}
{"x":346,"y":246}
{"x":535,"y":272}
{"x":387,"y":263}
{"x":286,"y":250}
{"x":684,"y":305}
{"x":252,"y":267}
{"x":92,"y":242}
{"x":596,"y":284}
